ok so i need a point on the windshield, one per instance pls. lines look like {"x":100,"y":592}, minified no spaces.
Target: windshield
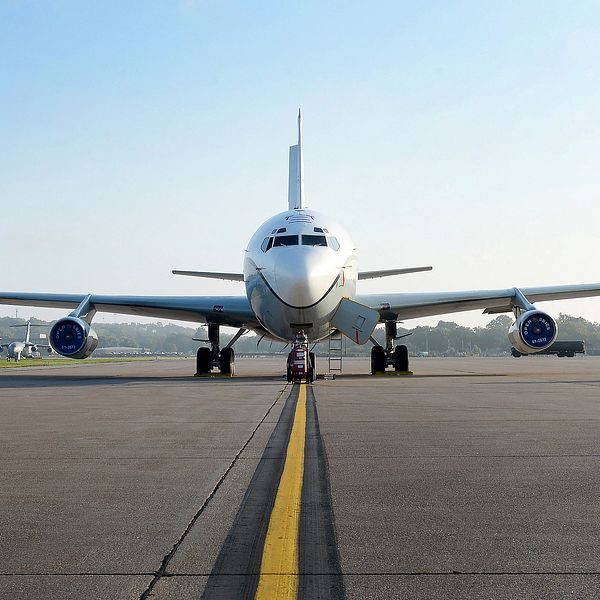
{"x":314,"y":240}
{"x":285,"y":240}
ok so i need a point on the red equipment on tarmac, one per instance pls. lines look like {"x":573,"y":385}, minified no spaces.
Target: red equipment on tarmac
{"x":301,"y":362}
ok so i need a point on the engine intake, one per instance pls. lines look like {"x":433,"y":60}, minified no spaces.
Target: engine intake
{"x":533,"y":331}
{"x":73,"y":338}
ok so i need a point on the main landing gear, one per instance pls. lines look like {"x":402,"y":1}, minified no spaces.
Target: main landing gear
{"x":214,"y":357}
{"x":396,"y":357}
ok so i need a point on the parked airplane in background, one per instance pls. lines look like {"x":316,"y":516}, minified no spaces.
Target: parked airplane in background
{"x":26,"y":348}
{"x":300,"y":273}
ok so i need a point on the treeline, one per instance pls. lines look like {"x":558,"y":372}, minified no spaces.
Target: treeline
{"x":152,"y":337}
{"x":445,"y":339}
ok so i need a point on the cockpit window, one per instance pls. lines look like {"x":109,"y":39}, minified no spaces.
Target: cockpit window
{"x":285,"y":240}
{"x":318,"y":230}
{"x":333,"y":243}
{"x":281,"y":230}
{"x":267,"y":244}
{"x":314,"y":240}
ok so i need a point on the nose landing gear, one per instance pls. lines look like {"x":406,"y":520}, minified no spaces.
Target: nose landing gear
{"x":301,"y":364}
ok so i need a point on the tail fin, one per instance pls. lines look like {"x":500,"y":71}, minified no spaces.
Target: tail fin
{"x":29,"y":325}
{"x":296,"y":177}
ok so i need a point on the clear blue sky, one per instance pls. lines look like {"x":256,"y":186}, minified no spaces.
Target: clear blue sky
{"x":139,"y":137}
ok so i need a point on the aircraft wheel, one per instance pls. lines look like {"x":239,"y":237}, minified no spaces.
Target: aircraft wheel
{"x":227,"y":361}
{"x":203,"y":361}
{"x":377,"y":359}
{"x":290,"y":377}
{"x":401,"y":358}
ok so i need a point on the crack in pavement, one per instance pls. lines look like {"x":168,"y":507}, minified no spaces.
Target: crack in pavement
{"x":169,"y":556}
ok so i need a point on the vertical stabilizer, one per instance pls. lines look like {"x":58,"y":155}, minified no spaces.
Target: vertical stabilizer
{"x":296,"y":176}
{"x":28,"y":331}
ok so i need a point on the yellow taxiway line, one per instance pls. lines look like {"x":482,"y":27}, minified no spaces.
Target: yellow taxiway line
{"x":279,"y":567}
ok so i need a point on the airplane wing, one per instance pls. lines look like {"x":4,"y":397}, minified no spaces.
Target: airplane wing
{"x":401,"y":306}
{"x":390,"y":272}
{"x":224,"y":310}
{"x":211,"y":275}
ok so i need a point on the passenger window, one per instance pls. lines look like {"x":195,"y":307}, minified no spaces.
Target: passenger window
{"x":285,"y":240}
{"x":333,"y":243}
{"x":267,"y":244}
{"x":314,"y":240}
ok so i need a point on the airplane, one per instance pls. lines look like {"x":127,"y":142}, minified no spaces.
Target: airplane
{"x":300,"y":273}
{"x":26,"y":348}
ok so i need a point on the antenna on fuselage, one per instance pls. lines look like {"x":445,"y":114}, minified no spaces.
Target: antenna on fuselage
{"x":296,"y":172}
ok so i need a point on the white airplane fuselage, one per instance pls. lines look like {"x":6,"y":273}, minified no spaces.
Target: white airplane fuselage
{"x":298,"y":266}
{"x":18,"y":350}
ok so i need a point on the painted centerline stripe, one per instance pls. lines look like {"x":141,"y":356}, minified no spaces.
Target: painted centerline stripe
{"x":236,"y":571}
{"x":283,"y":534}
{"x":279,"y":566}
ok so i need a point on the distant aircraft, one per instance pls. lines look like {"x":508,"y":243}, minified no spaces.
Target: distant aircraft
{"x":300,"y":274}
{"x":26,"y":348}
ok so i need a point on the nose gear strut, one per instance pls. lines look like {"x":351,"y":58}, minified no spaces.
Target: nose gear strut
{"x":300,"y":362}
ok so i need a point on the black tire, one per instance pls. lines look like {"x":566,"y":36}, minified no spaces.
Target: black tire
{"x":401,"y":358}
{"x":312,"y":366}
{"x":203,"y":361}
{"x":377,"y":359}
{"x":227,"y":361}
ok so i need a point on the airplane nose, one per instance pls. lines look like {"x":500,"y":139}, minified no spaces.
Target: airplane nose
{"x":303,"y":275}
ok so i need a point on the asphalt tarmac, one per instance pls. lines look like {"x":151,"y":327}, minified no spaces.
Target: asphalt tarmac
{"x":475,"y":478}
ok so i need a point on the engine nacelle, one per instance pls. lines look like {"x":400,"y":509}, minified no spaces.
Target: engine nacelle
{"x":33,"y":348}
{"x":73,"y":338}
{"x":533,"y":331}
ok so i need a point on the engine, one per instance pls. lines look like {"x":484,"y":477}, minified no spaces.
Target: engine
{"x":73,"y":338}
{"x":533,"y":331}
{"x":33,"y":348}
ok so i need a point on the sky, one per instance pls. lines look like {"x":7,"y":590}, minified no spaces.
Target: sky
{"x":139,"y":137}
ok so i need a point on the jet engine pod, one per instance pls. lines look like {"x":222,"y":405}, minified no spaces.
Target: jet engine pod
{"x":73,"y":338}
{"x":533,"y":331}
{"x":34,"y":348}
